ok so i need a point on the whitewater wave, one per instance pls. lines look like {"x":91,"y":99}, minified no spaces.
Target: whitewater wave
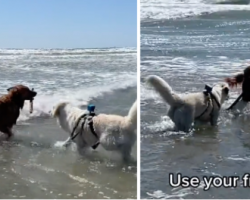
{"x":75,"y":75}
{"x":173,"y":9}
{"x":43,"y":103}
{"x":178,"y":193}
{"x":65,"y":52}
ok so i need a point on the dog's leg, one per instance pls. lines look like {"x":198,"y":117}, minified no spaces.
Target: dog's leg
{"x":214,"y":118}
{"x":65,"y":143}
{"x":183,"y":118}
{"x":7,"y":131}
{"x":126,"y":154}
{"x":120,"y":144}
{"x":171,"y":112}
{"x":125,"y":149}
{"x":82,"y":147}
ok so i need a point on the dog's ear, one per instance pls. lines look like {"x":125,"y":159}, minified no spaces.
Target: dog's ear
{"x":9,"y":89}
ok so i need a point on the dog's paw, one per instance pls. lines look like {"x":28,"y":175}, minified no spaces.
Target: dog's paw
{"x":60,"y":144}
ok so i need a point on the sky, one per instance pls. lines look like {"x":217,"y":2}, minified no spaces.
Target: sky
{"x":68,"y":23}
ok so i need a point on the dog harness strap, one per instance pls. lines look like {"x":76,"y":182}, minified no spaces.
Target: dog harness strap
{"x":79,"y":119}
{"x":207,"y":96}
{"x":208,"y":90}
{"x":91,"y":126}
{"x":85,"y":117}
{"x":216,"y":101}
{"x":208,"y":93}
{"x":95,"y":145}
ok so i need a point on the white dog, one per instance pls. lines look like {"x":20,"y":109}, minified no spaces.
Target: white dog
{"x":113,"y":132}
{"x":203,"y":106}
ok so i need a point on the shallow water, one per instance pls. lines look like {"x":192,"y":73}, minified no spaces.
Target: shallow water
{"x":31,"y":166}
{"x":194,"y":44}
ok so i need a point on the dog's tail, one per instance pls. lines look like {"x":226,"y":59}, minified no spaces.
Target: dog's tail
{"x":56,"y":109}
{"x":164,"y":90}
{"x":132,"y":114}
{"x":237,"y":79}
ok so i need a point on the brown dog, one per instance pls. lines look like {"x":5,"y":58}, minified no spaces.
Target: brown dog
{"x":10,"y":105}
{"x":244,"y":79}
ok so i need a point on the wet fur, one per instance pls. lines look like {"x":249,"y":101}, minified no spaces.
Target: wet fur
{"x":184,"y":110}
{"x":116,"y":133}
{"x":10,"y":105}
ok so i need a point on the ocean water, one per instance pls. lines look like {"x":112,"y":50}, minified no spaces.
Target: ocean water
{"x":191,"y":43}
{"x":31,"y":167}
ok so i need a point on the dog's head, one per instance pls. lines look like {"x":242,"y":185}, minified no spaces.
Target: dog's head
{"x":238,"y":78}
{"x":20,"y":93}
{"x":57,"y":108}
{"x":23,"y":92}
{"x":221,"y":90}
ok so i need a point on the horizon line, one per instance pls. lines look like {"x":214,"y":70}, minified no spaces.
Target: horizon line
{"x":11,"y":48}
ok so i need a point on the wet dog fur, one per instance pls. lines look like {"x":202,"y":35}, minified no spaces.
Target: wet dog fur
{"x":115,"y":133}
{"x":10,"y":105}
{"x":185,"y":110}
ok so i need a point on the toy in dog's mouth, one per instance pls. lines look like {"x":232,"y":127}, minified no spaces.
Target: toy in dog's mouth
{"x":31,"y":106}
{"x":32,"y":99}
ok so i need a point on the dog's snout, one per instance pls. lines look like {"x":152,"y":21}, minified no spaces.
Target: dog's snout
{"x":226,"y":90}
{"x":34,"y":93}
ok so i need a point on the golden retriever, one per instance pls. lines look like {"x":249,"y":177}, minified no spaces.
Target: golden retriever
{"x":10,"y":105}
